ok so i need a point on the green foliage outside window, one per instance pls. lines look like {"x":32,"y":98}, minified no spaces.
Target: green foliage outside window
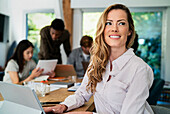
{"x":149,"y":27}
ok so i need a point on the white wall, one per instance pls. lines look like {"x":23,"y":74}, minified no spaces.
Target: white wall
{"x":81,"y":5}
{"x":166,"y":41}
{"x":4,"y":9}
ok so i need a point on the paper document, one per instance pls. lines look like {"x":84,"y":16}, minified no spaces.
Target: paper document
{"x":41,"y":78}
{"x":47,"y":65}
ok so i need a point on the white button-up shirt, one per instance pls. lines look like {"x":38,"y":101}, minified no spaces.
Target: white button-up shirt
{"x":125,"y":93}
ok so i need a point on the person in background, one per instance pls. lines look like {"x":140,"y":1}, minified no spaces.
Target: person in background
{"x":135,"y":44}
{"x":116,"y":77}
{"x":81,"y":54}
{"x":21,"y":64}
{"x":51,"y":38}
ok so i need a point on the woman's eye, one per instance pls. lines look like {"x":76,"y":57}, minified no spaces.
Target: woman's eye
{"x":122,"y":23}
{"x":108,"y":23}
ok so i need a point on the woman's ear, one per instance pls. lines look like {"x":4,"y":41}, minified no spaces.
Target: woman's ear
{"x":129,"y":33}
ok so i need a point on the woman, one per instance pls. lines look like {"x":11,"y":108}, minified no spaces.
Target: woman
{"x":21,"y":63}
{"x":116,"y":77}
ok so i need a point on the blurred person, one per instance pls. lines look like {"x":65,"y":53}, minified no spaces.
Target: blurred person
{"x":51,"y":39}
{"x":21,"y":64}
{"x":81,"y":54}
{"x":116,"y":77}
{"x":135,"y":44}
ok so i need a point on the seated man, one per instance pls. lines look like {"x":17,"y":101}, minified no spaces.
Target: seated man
{"x":51,"y":38}
{"x":81,"y":54}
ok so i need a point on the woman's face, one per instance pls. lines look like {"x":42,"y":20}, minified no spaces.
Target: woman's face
{"x":28,"y":53}
{"x":116,"y":29}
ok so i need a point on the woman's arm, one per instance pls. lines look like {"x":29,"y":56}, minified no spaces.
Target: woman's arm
{"x":138,"y":92}
{"x":14,"y":77}
{"x":73,"y":101}
{"x":35,"y":73}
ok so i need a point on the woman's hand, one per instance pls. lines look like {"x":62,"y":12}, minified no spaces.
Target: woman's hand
{"x":36,"y":72}
{"x":59,"y":108}
{"x":51,"y":74}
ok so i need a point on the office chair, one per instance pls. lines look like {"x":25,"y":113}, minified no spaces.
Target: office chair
{"x":160,"y":110}
{"x":155,"y":91}
{"x":9,"y":54}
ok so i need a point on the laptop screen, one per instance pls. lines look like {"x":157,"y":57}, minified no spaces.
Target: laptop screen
{"x":18,"y":98}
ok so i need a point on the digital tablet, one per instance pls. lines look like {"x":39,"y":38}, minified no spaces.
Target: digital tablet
{"x":47,"y":65}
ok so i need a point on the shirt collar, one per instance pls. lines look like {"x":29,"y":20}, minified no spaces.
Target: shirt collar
{"x":123,"y":59}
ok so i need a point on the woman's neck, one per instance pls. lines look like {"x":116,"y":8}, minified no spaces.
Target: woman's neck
{"x":115,"y":53}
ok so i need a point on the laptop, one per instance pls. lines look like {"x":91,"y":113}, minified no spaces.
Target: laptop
{"x":62,"y":70}
{"x":19,"y":99}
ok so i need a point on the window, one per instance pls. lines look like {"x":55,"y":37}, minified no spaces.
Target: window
{"x":36,"y":21}
{"x":90,"y":23}
{"x":149,"y":26}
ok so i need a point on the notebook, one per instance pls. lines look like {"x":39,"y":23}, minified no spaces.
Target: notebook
{"x":19,"y":99}
{"x":65,"y":70}
{"x":62,"y":84}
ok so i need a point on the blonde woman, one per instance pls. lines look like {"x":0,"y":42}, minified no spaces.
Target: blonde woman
{"x":116,"y":77}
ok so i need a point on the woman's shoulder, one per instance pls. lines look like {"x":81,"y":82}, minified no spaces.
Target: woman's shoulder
{"x":12,"y":62}
{"x":140,"y":63}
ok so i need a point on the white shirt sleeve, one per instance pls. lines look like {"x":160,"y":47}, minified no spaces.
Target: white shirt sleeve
{"x":80,"y":97}
{"x":138,"y":92}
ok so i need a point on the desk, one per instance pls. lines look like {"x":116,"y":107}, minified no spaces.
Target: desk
{"x":60,"y":95}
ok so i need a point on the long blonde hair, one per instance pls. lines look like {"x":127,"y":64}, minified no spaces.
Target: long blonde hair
{"x":100,"y":51}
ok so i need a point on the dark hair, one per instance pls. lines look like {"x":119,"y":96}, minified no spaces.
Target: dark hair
{"x":86,"y":41}
{"x":135,"y":44}
{"x":57,"y":24}
{"x":18,"y":54}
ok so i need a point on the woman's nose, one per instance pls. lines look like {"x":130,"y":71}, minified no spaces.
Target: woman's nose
{"x":31,"y":54}
{"x":114,"y":28}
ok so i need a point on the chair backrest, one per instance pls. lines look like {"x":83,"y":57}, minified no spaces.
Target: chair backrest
{"x":11,"y":50}
{"x":155,"y":91}
{"x":160,"y":110}
{"x":1,"y":75}
{"x":9,"y":54}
